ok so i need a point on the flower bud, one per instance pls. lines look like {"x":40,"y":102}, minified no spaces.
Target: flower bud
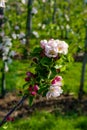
{"x":30,"y":88}
{"x":28,"y":74}
{"x":53,"y":81}
{"x":33,"y":93}
{"x":27,"y":79}
{"x":58,"y":78}
{"x":10,"y":118}
{"x":36,"y":88}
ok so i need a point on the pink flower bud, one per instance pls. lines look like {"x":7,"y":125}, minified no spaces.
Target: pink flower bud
{"x":30,"y":88}
{"x":53,"y":81}
{"x":33,"y":93}
{"x":58,"y":78}
{"x":36,"y":88}
{"x":10,"y":118}
{"x":29,"y":74}
{"x":27,"y":79}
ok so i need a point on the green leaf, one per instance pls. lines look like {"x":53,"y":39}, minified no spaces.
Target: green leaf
{"x":5,"y":126}
{"x":63,"y":68}
{"x":31,"y":98}
{"x":46,"y":61}
{"x":37,"y":50}
{"x":42,"y":89}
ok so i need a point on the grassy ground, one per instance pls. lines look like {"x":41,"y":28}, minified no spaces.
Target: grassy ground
{"x":16,"y":74}
{"x":72,"y":78}
{"x":44,"y":120}
{"x":47,"y":121}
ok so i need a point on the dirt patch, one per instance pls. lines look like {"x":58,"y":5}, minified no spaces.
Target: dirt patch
{"x":64,"y":104}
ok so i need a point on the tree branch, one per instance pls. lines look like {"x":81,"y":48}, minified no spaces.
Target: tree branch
{"x":12,"y":110}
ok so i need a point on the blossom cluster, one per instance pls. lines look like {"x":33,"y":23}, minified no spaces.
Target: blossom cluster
{"x":45,"y":79}
{"x":55,"y":88}
{"x":5,"y":48}
{"x":54,"y":47}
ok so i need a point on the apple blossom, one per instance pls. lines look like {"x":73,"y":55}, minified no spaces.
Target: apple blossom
{"x":57,"y":81}
{"x":43,"y":43}
{"x":51,"y":51}
{"x":54,"y":91}
{"x":53,"y":47}
{"x":62,"y":47}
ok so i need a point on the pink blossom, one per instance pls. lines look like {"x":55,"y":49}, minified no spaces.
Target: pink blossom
{"x":57,"y":81}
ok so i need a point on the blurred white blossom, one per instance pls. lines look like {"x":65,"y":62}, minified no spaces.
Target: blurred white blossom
{"x":2,"y":3}
{"x":21,"y":35}
{"x":23,"y":41}
{"x":34,"y":10}
{"x":67,"y":26}
{"x":43,"y":1}
{"x":24,"y":1}
{"x":67,"y":17}
{"x":17,"y":27}
{"x":7,"y":54}
{"x":12,"y":53}
{"x":43,"y":26}
{"x":14,"y":36}
{"x":6,"y":67}
{"x":35,"y":34}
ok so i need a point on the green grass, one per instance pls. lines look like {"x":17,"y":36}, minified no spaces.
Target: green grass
{"x":72,"y":78}
{"x":47,"y":121}
{"x":16,"y":74}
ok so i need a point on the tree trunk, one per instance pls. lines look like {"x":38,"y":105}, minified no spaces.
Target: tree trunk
{"x":28,"y":28}
{"x":29,"y":21}
{"x":1,"y":16}
{"x":3,"y":84}
{"x":81,"y":89}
